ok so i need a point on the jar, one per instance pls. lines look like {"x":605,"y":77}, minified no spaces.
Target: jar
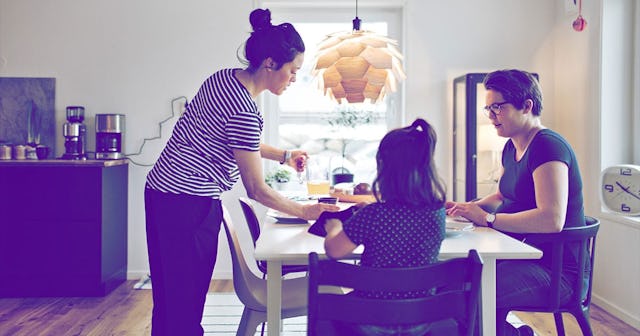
{"x":5,"y":152}
{"x":19,"y":152}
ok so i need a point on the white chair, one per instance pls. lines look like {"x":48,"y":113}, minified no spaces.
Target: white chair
{"x":252,"y":290}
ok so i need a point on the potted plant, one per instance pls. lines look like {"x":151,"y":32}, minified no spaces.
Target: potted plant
{"x":347,"y":118}
{"x":277,"y":178}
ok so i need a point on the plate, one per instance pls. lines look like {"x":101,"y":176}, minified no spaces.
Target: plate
{"x":454,"y":229}
{"x":282,"y":218}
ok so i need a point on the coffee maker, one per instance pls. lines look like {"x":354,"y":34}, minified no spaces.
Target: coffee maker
{"x":109,"y":136}
{"x":75,"y":134}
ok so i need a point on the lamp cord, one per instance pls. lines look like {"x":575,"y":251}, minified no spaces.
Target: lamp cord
{"x":159,"y":136}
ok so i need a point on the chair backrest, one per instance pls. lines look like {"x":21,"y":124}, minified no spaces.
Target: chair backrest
{"x":251,"y":218}
{"x":456,"y":295}
{"x":585,"y":238}
{"x":244,"y":281}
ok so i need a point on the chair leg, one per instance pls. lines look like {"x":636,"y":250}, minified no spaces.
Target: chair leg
{"x":559,"y":323}
{"x":501,"y":320}
{"x":262,"y":329}
{"x":582,"y":316}
{"x":248,"y":323}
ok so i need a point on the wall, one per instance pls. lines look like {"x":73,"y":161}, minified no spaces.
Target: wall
{"x":615,"y":285}
{"x":135,"y":57}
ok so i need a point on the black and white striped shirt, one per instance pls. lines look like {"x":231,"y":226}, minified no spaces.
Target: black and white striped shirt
{"x":198,"y":159}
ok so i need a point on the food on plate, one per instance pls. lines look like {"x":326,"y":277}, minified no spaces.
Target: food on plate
{"x":362,"y":189}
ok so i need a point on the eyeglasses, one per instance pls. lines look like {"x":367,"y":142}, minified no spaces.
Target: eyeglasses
{"x":494,"y":108}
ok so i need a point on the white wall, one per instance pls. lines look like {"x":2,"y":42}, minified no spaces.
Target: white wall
{"x":134,"y":57}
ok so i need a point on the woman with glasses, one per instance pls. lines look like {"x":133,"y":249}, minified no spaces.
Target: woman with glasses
{"x":540,"y":190}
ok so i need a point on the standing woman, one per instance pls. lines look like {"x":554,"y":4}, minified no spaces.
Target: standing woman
{"x":540,"y":191}
{"x":216,"y":141}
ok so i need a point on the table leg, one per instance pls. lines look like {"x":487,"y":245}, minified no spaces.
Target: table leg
{"x":274,"y":297}
{"x":489,"y":296}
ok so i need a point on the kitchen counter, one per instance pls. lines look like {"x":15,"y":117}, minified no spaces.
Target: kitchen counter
{"x":64,"y":163}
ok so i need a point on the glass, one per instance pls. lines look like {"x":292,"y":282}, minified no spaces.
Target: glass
{"x":317,"y":177}
{"x":494,"y":108}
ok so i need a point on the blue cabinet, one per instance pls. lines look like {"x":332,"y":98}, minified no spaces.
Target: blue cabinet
{"x":63,"y":227}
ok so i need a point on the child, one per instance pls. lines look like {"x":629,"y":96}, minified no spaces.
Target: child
{"x":406,"y":225}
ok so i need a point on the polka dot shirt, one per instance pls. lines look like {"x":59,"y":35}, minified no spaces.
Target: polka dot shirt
{"x":397,"y":235}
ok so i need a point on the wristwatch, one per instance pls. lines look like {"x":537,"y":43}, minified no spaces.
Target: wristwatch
{"x":286,"y":157}
{"x":491,"y":217}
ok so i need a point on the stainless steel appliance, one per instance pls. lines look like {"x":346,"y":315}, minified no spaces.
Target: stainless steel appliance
{"x":75,"y":134}
{"x":109,"y":136}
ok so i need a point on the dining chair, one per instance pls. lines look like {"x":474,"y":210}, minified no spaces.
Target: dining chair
{"x":580,"y":300}
{"x":252,"y":290}
{"x":451,"y":308}
{"x":254,"y":228}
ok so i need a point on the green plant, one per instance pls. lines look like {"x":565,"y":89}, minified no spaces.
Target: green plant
{"x":278,"y":176}
{"x":350,"y":117}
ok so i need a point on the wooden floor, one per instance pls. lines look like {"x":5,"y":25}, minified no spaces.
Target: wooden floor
{"x":128,"y":312}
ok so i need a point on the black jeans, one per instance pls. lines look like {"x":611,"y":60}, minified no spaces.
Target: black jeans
{"x":182,"y":241}
{"x":524,"y":282}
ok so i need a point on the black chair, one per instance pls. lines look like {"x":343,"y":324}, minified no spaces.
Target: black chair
{"x":254,"y":228}
{"x":454,"y":283}
{"x":580,"y":301}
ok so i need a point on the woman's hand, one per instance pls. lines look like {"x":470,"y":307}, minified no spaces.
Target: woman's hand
{"x":468,"y":210}
{"x":313,"y":211}
{"x":298,"y":160}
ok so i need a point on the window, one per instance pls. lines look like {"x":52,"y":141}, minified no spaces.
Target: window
{"x":302,"y":117}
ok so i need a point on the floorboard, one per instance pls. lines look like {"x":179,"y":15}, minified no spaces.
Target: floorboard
{"x":127,"y":311}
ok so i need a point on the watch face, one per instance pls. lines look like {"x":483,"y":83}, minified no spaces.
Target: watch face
{"x":621,"y":189}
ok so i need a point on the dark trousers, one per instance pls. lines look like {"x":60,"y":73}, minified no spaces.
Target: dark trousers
{"x":522,"y":283}
{"x":182,"y":241}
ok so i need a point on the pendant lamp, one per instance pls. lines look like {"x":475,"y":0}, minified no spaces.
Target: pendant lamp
{"x":358,"y":65}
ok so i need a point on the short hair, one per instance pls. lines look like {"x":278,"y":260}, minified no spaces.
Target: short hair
{"x":406,"y":167}
{"x":282,"y":42}
{"x":516,"y":86}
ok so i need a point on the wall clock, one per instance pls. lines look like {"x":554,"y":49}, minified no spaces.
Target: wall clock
{"x":620,"y":189}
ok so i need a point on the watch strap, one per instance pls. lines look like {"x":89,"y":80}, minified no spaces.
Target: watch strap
{"x":285,"y":157}
{"x":491,"y":218}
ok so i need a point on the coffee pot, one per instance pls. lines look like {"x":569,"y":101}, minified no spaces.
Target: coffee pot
{"x":75,"y":134}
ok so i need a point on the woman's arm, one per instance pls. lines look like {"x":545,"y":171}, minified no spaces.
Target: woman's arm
{"x":297,"y":160}
{"x":250,"y":166}
{"x":337,"y":244}
{"x":551,"y":184}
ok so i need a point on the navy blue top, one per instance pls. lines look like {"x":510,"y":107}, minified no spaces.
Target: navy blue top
{"x":517,"y":187}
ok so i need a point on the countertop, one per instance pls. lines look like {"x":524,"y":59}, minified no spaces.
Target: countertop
{"x":64,"y":163}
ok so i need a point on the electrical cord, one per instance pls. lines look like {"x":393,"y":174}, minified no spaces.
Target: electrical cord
{"x":159,"y":136}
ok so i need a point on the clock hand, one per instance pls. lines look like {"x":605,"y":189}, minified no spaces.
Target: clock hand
{"x":627,"y":190}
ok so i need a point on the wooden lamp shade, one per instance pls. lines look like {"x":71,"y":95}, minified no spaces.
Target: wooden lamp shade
{"x":358,"y":65}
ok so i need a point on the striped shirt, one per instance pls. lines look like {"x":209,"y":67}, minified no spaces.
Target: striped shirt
{"x":198,"y":158}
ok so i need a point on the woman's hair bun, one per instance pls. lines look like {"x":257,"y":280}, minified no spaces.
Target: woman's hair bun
{"x":260,"y":19}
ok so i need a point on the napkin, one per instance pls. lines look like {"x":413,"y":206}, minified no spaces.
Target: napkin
{"x":318,"y":227}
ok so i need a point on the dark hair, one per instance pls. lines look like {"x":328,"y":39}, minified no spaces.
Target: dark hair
{"x":282,"y":42}
{"x":516,"y":86}
{"x":406,"y":167}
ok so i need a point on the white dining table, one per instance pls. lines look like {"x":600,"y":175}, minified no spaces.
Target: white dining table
{"x":290,"y":244}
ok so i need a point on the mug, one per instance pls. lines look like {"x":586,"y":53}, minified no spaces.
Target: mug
{"x":42,"y":152}
{"x":328,"y":200}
